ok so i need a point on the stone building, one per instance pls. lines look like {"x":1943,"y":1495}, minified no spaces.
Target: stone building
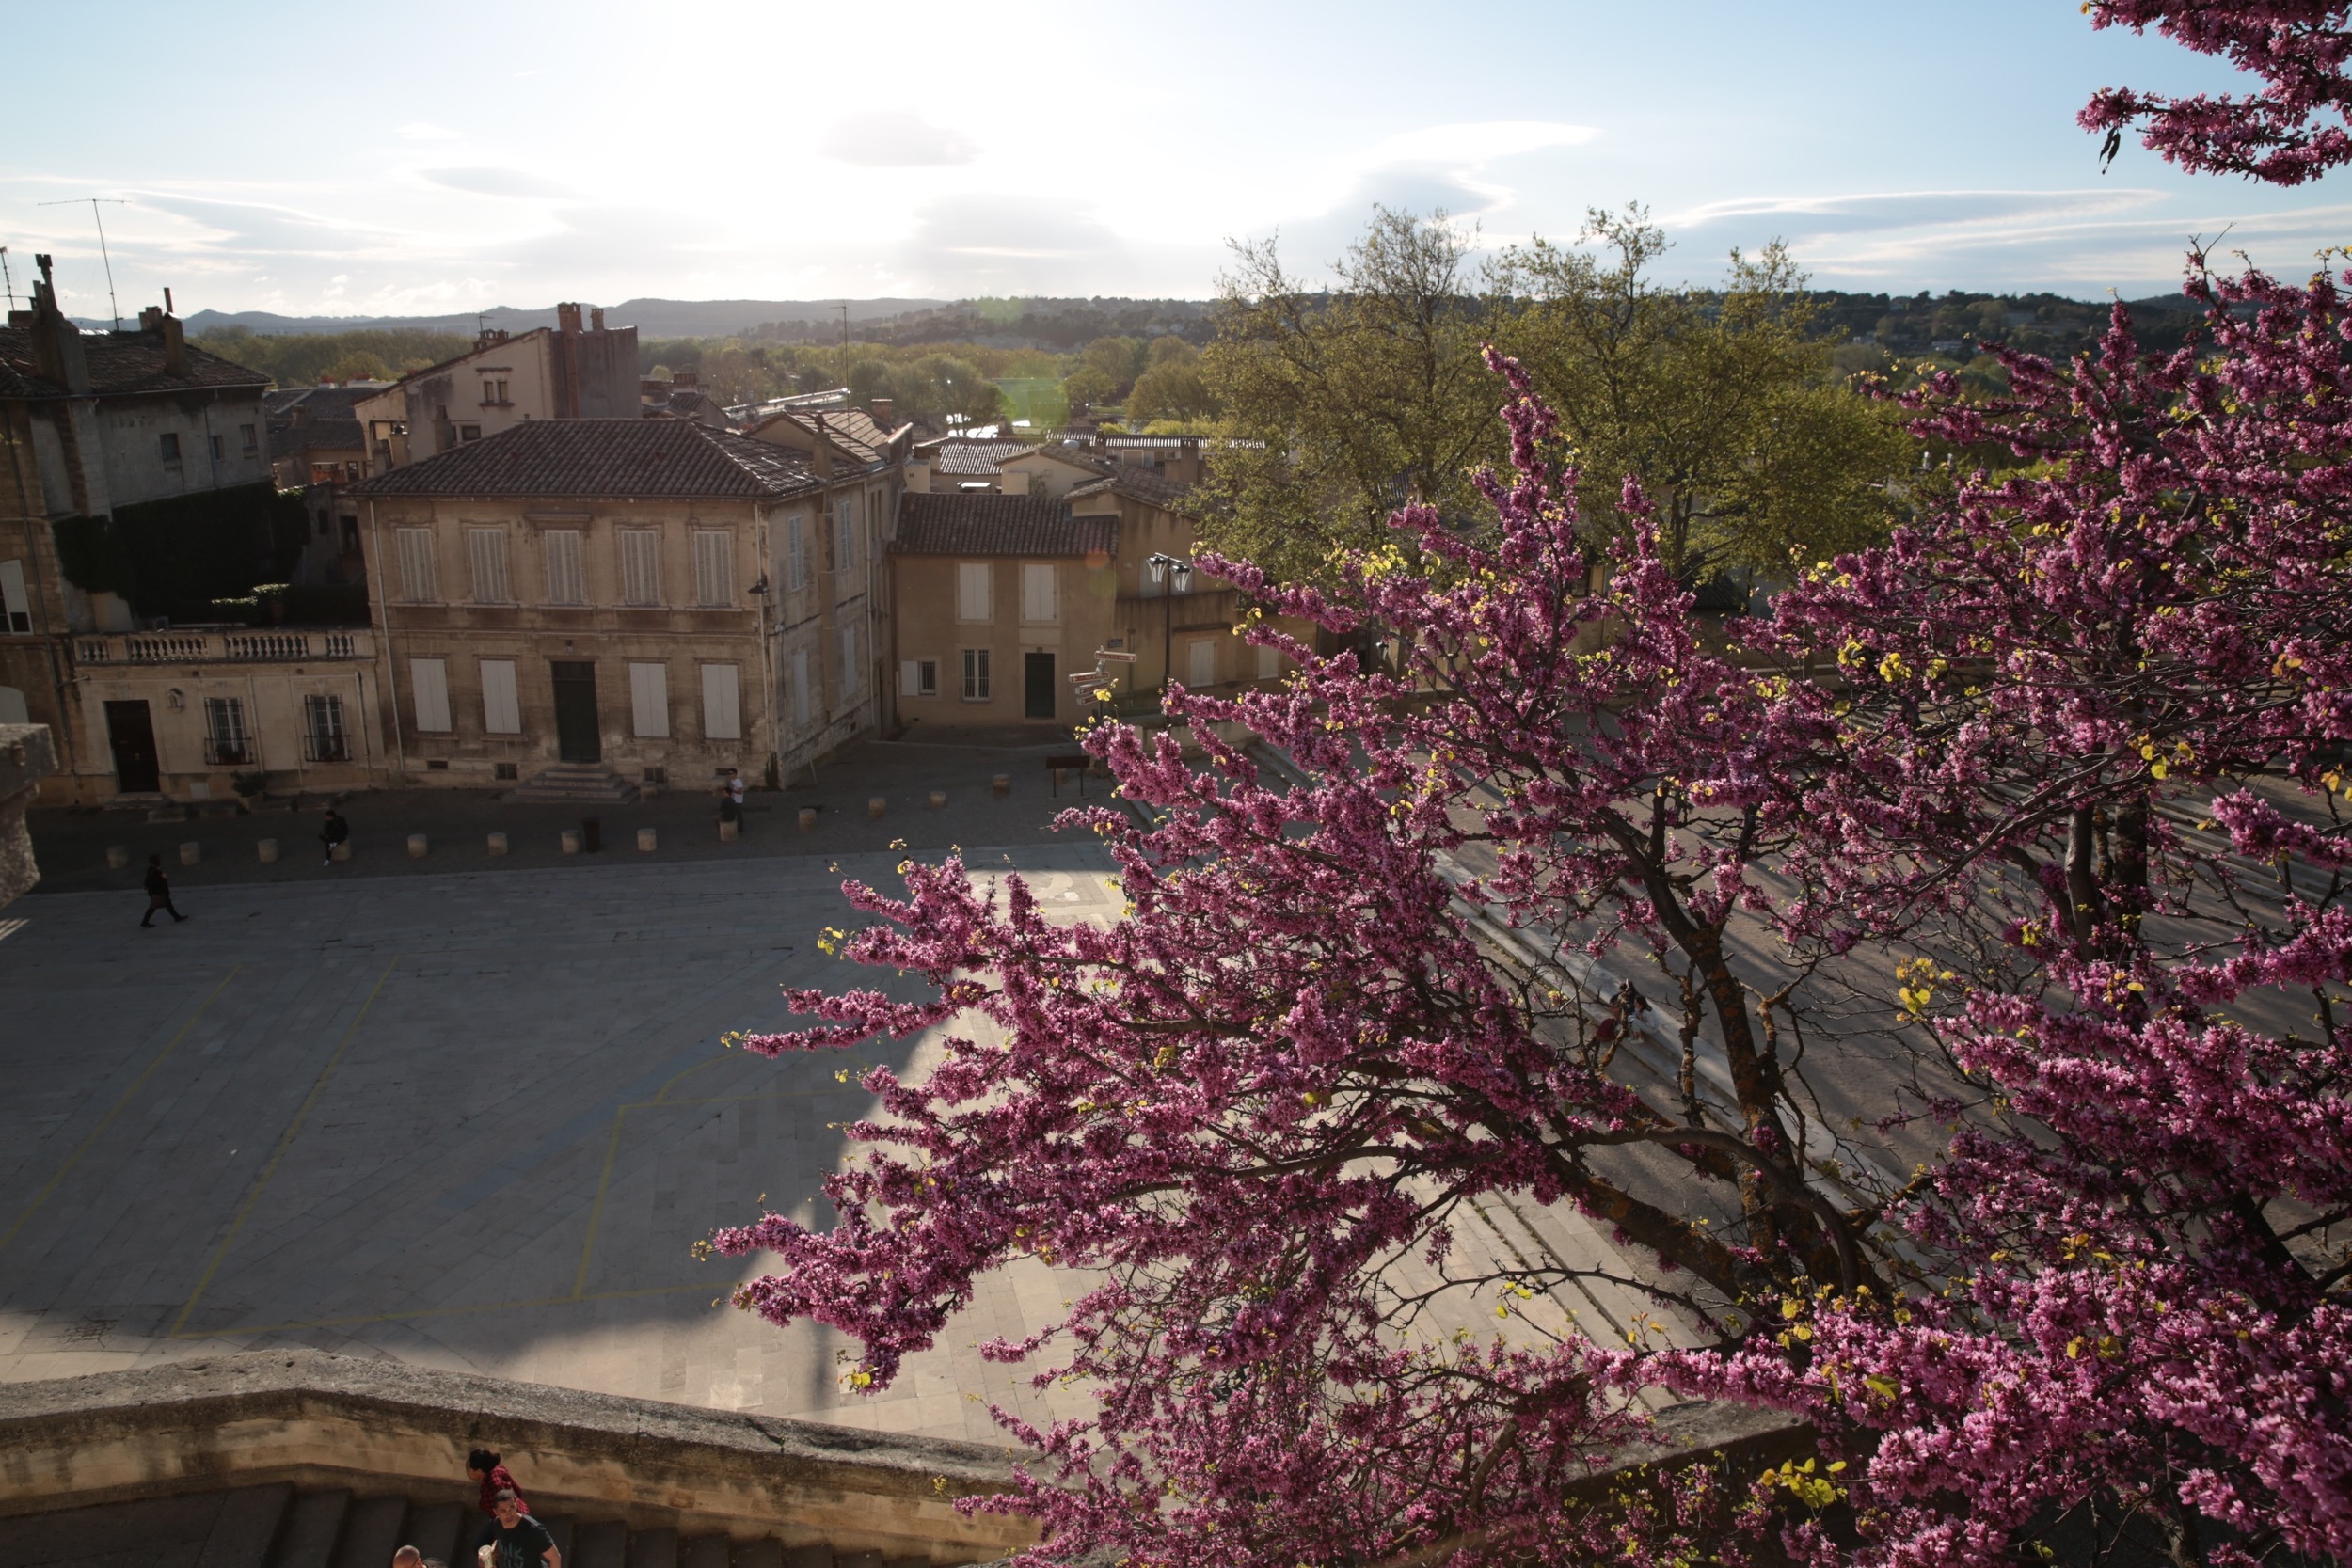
{"x":316,"y":447}
{"x":592,"y":607}
{"x":550,"y":373}
{"x":137,"y":493}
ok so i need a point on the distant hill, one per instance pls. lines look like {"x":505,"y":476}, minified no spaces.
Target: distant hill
{"x":653,"y":318}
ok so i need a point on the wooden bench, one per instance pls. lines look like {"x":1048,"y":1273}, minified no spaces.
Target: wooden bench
{"x":1057,"y":766}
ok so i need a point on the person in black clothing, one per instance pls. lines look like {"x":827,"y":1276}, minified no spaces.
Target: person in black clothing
{"x":523,"y":1542}
{"x":332,"y":832}
{"x":158,"y":893}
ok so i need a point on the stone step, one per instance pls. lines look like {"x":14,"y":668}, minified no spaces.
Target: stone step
{"x":574,"y":782}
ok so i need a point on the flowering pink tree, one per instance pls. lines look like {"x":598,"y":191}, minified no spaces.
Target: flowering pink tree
{"x":2295,"y":129}
{"x":1991,"y":1108}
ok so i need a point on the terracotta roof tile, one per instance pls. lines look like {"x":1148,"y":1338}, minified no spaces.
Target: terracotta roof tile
{"x":607,"y":458}
{"x":118,"y":362}
{"x":997,"y":525}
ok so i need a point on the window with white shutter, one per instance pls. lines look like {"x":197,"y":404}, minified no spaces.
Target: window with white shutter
{"x":1202,"y":664}
{"x":641,"y":565}
{"x":714,"y":567}
{"x":420,"y":584}
{"x":649,"y":700}
{"x":486,"y":551}
{"x":429,"y":679}
{"x":800,"y":686}
{"x":843,"y":537}
{"x":1037,"y":593}
{"x":501,"y":708}
{"x":1269,"y":663}
{"x":971,"y":592}
{"x":565,"y":582}
{"x":976,"y":675}
{"x":849,"y":682}
{"x":16,"y":606}
{"x":722,"y":704}
{"x":796,"y":550}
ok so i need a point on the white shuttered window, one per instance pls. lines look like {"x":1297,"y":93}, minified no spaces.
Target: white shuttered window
{"x":714,"y":567}
{"x":800,"y":686}
{"x":796,"y":551}
{"x":641,"y":565}
{"x":429,"y":679}
{"x":849,"y":682}
{"x":649,"y":699}
{"x":1202,"y":664}
{"x":1269,"y":663}
{"x":722,"y":704}
{"x":565,"y":584}
{"x":501,"y":709}
{"x":971,"y":592}
{"x":1037,"y":593}
{"x":844,"y":535}
{"x":420,"y":584}
{"x":485,"y":552}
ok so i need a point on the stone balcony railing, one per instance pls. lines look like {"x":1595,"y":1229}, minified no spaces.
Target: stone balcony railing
{"x":273,"y":645}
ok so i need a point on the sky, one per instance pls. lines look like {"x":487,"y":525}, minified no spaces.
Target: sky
{"x":437,"y":158}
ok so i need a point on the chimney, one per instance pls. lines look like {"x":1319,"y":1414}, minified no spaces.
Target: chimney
{"x":824,"y":448}
{"x":57,"y":354}
{"x":882,"y":409}
{"x":163,"y":325}
{"x":567,"y":319}
{"x":685,"y":378}
{"x":596,"y":319}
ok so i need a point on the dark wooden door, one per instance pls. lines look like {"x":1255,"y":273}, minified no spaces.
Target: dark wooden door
{"x":1037,"y":682}
{"x":131,"y":733}
{"x":576,"y":733}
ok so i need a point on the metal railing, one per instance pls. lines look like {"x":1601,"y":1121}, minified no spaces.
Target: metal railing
{"x":317,"y":747}
{"x":227,"y":754}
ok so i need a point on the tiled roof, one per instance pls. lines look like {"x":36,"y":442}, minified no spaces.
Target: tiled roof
{"x":1079,"y":457}
{"x":1137,"y":482}
{"x":607,"y":458}
{"x":851,"y":430}
{"x":118,"y":362}
{"x":976,"y":458}
{"x":997,"y":525}
{"x":286,"y":440}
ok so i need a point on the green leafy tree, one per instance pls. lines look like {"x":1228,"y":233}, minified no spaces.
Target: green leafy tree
{"x":1174,"y":390}
{"x":1726,"y":403}
{"x":1350,"y":402}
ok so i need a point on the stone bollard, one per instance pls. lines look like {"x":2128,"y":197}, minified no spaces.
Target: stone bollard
{"x":117,"y":856}
{"x":571,"y":841}
{"x":939,"y":798}
{"x":649,"y":840}
{"x":498,"y":844}
{"x":342,"y":851}
{"x":729,"y":831}
{"x":191,"y":852}
{"x":875,"y":805}
{"x":268,"y":848}
{"x":1003,"y":783}
{"x":808,"y":817}
{"x":416,"y":847}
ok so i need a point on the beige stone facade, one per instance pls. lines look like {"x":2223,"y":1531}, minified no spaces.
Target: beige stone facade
{"x":566,"y":371}
{"x":662,"y":601}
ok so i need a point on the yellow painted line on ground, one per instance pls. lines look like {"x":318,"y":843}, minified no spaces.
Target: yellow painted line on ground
{"x":612,"y":1151}
{"x":277,"y":1155}
{"x":108,"y":1120}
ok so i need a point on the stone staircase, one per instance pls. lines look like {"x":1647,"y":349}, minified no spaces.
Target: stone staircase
{"x":282,"y":1527}
{"x":574,"y":784}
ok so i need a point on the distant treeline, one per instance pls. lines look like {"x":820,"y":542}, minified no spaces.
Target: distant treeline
{"x":305,"y":358}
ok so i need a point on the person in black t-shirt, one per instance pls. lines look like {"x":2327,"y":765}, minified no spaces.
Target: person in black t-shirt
{"x":158,"y":893}
{"x":522,"y":1541}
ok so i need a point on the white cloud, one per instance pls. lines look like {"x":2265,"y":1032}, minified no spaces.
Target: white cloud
{"x":418,"y":130}
{"x":894,"y":139}
{"x":1471,"y":143}
{"x":494,"y":180}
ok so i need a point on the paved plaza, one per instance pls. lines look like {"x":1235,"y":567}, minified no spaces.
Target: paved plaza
{"x":474,"y":1119}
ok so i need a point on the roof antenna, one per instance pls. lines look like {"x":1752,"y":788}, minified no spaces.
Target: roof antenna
{"x":111,"y":201}
{"x":8,"y":278}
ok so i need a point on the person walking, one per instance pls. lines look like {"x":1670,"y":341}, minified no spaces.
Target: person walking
{"x":486,"y":1470}
{"x":522,"y":1541}
{"x":332,"y":832}
{"x":158,"y":894}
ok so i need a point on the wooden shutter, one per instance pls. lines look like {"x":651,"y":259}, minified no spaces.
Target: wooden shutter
{"x":796,"y":549}
{"x":429,"y":679}
{"x":420,"y":584}
{"x":641,"y":566}
{"x":1202,"y":664}
{"x":800,"y":686}
{"x":1037,"y":593}
{"x":565,"y":585}
{"x":971,"y":592}
{"x":649,"y":700}
{"x":722,"y":704}
{"x":501,"y":709}
{"x":849,"y":682}
{"x":714,"y":567}
{"x":486,"y":551}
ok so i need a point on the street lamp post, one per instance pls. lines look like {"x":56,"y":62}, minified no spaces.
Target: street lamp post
{"x":1174,"y":573}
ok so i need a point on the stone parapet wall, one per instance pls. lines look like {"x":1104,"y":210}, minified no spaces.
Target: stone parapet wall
{"x":315,"y":1419}
{"x":27,"y":754}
